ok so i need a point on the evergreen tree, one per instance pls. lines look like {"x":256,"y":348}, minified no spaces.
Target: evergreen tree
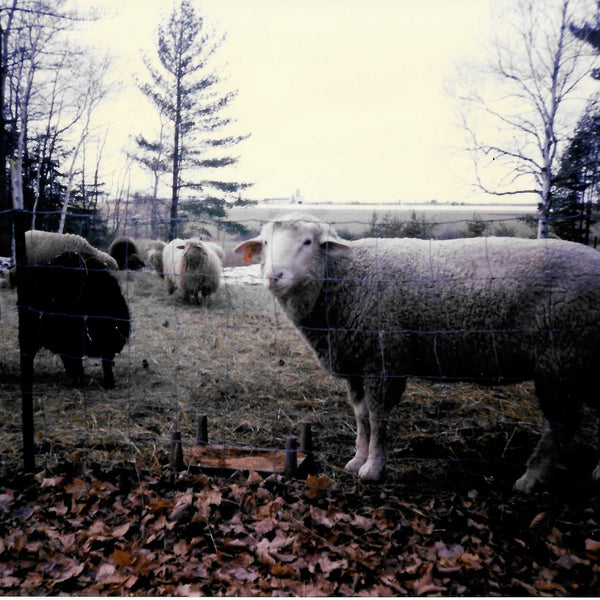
{"x":187,"y":94}
{"x":590,"y":33}
{"x":575,"y":189}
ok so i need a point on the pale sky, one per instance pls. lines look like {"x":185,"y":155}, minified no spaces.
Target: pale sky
{"x":344,"y":99}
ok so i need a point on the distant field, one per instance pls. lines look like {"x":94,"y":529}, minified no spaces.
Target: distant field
{"x":354,"y":219}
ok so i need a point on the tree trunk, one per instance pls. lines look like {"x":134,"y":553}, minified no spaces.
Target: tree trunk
{"x":543,"y":221}
{"x":176,"y":163}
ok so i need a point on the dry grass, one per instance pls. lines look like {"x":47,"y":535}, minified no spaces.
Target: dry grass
{"x":240,"y":362}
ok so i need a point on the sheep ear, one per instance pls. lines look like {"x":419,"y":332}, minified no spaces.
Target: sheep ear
{"x":249,"y":249}
{"x":334,"y":245}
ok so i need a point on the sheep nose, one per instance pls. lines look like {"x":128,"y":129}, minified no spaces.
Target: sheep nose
{"x":273,"y":278}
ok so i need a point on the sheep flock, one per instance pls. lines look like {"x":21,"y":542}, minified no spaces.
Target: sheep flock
{"x":375,"y":312}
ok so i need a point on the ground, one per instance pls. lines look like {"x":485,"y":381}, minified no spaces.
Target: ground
{"x":104,"y":514}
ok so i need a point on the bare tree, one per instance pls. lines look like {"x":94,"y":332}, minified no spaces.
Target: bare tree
{"x":154,"y":156}
{"x":523,"y":103}
{"x":94,"y":89}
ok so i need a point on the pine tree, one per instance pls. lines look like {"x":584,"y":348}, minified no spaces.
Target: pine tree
{"x":590,"y":33}
{"x":186,"y":92}
{"x":576,"y":185}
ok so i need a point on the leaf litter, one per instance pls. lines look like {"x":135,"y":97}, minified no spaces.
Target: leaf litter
{"x":444,"y":523}
{"x":158,"y":534}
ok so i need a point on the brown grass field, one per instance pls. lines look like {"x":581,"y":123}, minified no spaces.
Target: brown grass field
{"x":239,"y":361}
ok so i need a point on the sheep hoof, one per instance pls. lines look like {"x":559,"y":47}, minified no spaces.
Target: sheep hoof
{"x":372,"y":470}
{"x":526,"y":483}
{"x":596,"y":473}
{"x":355,"y":464}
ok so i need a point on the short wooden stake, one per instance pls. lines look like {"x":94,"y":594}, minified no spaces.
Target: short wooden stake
{"x":306,"y":443}
{"x":176,"y":462}
{"x":202,"y":431}
{"x":291,"y":457}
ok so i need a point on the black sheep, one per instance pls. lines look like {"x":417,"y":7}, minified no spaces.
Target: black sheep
{"x":74,"y":307}
{"x":126,"y":253}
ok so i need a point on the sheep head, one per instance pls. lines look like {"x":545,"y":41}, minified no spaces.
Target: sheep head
{"x":193,"y":252}
{"x":292,"y":249}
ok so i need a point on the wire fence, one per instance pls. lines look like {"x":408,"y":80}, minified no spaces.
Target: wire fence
{"x":228,"y":383}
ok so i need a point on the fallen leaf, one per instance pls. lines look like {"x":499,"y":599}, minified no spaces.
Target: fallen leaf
{"x":280,"y":570}
{"x":262,"y":553}
{"x":181,"y":548}
{"x":317,"y":486}
{"x":592,"y":546}
{"x":78,"y":489}
{"x":122,"y":558}
{"x":104,"y":572}
{"x":362,"y":523}
{"x":538,"y":519}
{"x":121,"y":531}
{"x":6,"y":499}
{"x":328,"y":566}
{"x":72,"y":570}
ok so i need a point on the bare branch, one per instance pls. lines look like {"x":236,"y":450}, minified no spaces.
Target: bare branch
{"x":520,"y":112}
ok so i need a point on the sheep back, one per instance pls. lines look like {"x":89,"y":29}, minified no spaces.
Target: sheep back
{"x":125,"y":251}
{"x":486,"y":309}
{"x":75,"y":308}
{"x":43,"y":246}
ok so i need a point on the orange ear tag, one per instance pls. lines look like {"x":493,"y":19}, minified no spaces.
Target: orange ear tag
{"x":249,"y":256}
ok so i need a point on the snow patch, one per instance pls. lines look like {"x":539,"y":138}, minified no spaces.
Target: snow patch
{"x":249,"y":275}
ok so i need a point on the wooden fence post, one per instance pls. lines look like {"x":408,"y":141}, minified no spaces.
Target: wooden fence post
{"x":291,"y":457}
{"x":202,"y":431}
{"x":176,"y":462}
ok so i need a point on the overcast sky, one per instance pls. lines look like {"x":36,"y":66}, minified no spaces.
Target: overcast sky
{"x":344,"y":99}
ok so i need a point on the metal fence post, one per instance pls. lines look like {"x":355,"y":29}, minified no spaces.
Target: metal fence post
{"x":20,"y":224}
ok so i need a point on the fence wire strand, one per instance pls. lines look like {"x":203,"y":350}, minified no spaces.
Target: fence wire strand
{"x":238,"y":360}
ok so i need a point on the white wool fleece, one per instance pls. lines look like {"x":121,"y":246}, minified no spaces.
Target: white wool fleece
{"x":376,"y":311}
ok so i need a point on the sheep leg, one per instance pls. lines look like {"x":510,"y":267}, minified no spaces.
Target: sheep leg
{"x":107,"y":369}
{"x":596,"y":472}
{"x":357,"y":397}
{"x":561,"y":409}
{"x":544,"y":456}
{"x":74,"y":369}
{"x":381,"y":396}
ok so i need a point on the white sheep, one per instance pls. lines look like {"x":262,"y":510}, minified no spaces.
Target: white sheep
{"x":193,"y":267}
{"x":155,"y":255}
{"x":490,"y":310}
{"x":43,"y":246}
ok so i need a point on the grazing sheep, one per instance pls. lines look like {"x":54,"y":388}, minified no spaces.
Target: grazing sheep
{"x":125,"y":252}
{"x":43,"y":246}
{"x":155,"y":256}
{"x":490,"y":310}
{"x":193,"y":266}
{"x":74,"y":307}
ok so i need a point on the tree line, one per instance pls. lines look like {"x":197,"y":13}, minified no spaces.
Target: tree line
{"x":51,"y":145}
{"x":518,"y":108}
{"x":521,"y":129}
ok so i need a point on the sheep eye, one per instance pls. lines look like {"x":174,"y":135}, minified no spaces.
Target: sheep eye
{"x":308,"y":242}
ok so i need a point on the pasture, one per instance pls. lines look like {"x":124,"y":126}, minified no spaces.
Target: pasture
{"x":445,"y":521}
{"x":354,"y":219}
